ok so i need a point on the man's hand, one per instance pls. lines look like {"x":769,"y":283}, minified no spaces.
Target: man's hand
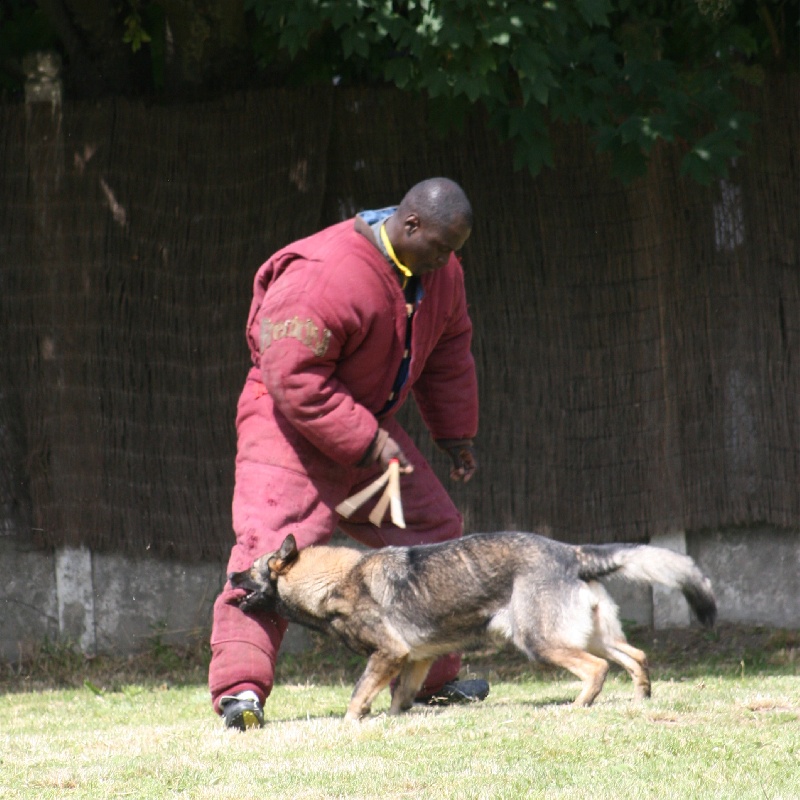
{"x":390,"y":451}
{"x":383,"y":450}
{"x":462,"y":453}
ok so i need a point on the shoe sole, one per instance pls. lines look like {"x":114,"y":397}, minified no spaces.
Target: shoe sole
{"x":250,"y":720}
{"x":242,"y":719}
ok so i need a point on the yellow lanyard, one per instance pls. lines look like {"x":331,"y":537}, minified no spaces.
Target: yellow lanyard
{"x":390,"y":250}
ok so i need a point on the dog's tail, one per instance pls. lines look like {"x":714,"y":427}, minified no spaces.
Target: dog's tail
{"x":647,"y":564}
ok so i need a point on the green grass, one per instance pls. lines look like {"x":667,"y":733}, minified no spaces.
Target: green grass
{"x":724,"y":722}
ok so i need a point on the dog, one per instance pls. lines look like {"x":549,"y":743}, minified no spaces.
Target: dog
{"x":403,"y":607}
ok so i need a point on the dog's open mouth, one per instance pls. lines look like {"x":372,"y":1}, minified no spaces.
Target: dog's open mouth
{"x":254,"y":598}
{"x":257,"y":601}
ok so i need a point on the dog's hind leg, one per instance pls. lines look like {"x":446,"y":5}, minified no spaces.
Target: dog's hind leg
{"x":590,"y":669}
{"x":634,"y":662}
{"x":412,"y":676}
{"x":608,"y":641}
{"x":380,"y":670}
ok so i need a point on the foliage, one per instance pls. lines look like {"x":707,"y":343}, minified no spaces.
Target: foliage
{"x":636,"y":73}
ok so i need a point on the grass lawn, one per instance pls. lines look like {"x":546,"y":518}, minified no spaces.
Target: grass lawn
{"x":724,"y":722}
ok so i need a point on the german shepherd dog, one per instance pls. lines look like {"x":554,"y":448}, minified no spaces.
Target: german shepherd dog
{"x":405,"y":606}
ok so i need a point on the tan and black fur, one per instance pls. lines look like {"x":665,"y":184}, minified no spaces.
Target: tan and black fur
{"x":405,"y":606}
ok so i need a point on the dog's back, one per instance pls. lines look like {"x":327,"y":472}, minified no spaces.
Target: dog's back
{"x":542,"y":595}
{"x":444,"y":596}
{"x":474,"y":576}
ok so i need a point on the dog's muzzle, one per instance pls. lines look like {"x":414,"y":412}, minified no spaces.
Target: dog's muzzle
{"x":257,"y":601}
{"x":255,"y":598}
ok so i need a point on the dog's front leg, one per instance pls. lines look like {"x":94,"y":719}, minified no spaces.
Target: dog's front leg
{"x":380,"y":670}
{"x":410,"y":682}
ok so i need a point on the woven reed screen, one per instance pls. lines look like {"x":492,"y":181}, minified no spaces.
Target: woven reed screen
{"x":637,"y":346}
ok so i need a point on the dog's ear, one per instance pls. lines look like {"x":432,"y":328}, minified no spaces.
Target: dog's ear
{"x":288,"y":551}
{"x":283,"y":558}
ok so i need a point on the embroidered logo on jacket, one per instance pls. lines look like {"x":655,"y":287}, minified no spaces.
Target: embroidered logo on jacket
{"x":305,"y":331}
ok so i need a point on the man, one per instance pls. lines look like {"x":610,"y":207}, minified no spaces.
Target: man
{"x":342,"y":326}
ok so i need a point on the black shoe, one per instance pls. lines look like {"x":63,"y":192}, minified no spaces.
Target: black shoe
{"x":471,"y":691}
{"x":242,"y":711}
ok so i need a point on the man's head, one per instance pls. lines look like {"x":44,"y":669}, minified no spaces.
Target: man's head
{"x":433,"y":220}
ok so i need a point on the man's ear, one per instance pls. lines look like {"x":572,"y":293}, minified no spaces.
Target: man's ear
{"x":283,"y":558}
{"x":411,"y":223}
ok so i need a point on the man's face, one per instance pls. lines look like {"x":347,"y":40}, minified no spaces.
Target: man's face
{"x":426,"y":247}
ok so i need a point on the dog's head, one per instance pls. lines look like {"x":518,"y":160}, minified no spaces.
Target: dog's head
{"x":260,"y":581}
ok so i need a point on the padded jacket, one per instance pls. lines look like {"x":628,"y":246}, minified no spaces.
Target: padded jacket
{"x":327,"y":331}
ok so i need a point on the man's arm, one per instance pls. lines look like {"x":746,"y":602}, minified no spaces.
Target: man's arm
{"x":300,"y":341}
{"x":447,"y":390}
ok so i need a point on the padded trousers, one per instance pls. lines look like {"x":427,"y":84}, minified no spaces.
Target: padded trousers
{"x":273,"y":500}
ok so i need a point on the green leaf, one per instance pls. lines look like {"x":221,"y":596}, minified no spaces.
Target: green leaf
{"x":398,"y":71}
{"x":436,"y":83}
{"x":344,"y":13}
{"x":448,"y":114}
{"x":702,"y":166}
{"x":354,"y":42}
{"x":594,"y":12}
{"x":534,"y":155}
{"x":135,"y":35}
{"x":628,"y":162}
{"x":474,"y":87}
